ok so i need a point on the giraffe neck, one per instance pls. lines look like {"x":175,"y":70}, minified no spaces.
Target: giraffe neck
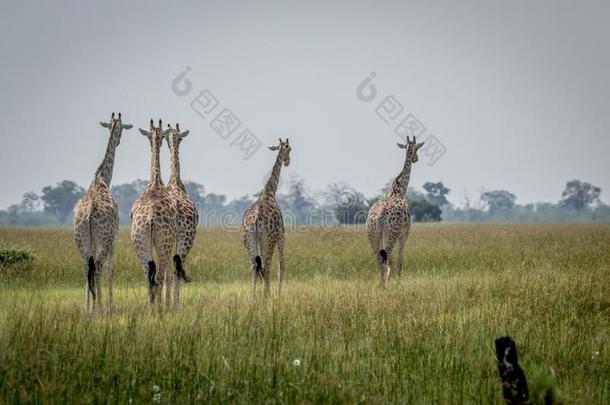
{"x":155,"y":166}
{"x":271,"y":186}
{"x":104,"y":171}
{"x":401,"y":183}
{"x":175,"y":179}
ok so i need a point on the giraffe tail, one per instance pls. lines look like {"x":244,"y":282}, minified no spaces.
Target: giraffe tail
{"x":259,"y":264}
{"x":91,"y":275}
{"x":152,"y":271}
{"x":180,"y":269}
{"x":384,"y":256}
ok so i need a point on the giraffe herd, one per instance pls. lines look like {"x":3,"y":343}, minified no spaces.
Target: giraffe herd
{"x":164,"y":221}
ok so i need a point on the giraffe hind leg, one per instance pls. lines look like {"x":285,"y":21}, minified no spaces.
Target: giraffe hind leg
{"x":152,"y":273}
{"x":256,"y":269}
{"x":256,"y":264}
{"x":266,"y":268}
{"x":265,"y":271}
{"x":402,"y":241}
{"x":110,"y":285}
{"x":91,"y":276}
{"x":166,"y":276}
{"x":178,"y":263}
{"x":141,"y":236}
{"x":179,"y":276}
{"x":281,"y":265}
{"x":385,"y":255}
{"x":98,"y":286}
{"x":375,"y":239}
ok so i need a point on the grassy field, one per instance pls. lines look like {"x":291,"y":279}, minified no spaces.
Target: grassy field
{"x":334,"y":336}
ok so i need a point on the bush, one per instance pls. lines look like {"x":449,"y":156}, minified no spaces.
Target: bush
{"x":12,"y":256}
{"x":424,"y":211}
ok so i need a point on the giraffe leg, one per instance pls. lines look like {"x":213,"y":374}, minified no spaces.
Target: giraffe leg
{"x":254,"y":272}
{"x":87,"y":291}
{"x":177,"y":280}
{"x":150,"y":274}
{"x":91,"y":270}
{"x":386,"y":255}
{"x":388,"y":267}
{"x":165,"y":246}
{"x":99,"y":270}
{"x":110,"y":282}
{"x":402,"y":241}
{"x":166,"y":277}
{"x":375,"y":241}
{"x":105,"y":259}
{"x":98,"y":286}
{"x":183,"y":247}
{"x":282,"y":265}
{"x":382,"y":269}
{"x":84,"y":242}
{"x":266,"y":272}
{"x":184,"y":243}
{"x":142,"y":241}
{"x":250,"y":242}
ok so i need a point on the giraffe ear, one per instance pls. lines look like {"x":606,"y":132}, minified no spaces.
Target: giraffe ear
{"x":402,"y":145}
{"x":419,"y":145}
{"x":126,"y":126}
{"x":145,"y":132}
{"x":105,"y":124}
{"x":183,"y":134}
{"x":273,"y":147}
{"x":166,"y":132}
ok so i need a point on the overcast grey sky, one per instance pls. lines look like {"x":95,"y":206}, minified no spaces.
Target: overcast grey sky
{"x":517,"y":92}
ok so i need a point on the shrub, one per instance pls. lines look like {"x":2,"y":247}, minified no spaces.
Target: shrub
{"x":12,"y":256}
{"x":424,"y":211}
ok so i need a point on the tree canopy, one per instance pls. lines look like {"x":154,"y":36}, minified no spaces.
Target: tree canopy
{"x":437,"y":193}
{"x":498,"y":199}
{"x":579,"y":195}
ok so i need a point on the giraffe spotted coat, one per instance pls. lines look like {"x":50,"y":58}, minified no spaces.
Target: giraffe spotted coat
{"x":263,"y":226}
{"x":187,"y":217}
{"x":153,"y":224}
{"x":388,"y":219}
{"x":96,"y":221}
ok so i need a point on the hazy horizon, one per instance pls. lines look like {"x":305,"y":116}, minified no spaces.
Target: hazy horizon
{"x":517,"y":93}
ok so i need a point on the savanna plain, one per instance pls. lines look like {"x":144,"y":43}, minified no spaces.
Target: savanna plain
{"x":334,"y":336}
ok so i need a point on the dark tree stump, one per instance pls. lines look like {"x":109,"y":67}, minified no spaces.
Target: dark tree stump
{"x":514,"y":385}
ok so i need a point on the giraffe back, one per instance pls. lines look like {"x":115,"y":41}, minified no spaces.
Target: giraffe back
{"x":187,"y":217}
{"x":96,"y":220}
{"x":389,"y":214}
{"x":266,"y":216}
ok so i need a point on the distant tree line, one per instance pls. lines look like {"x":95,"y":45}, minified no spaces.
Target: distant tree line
{"x":338,"y":204}
{"x":579,"y":202}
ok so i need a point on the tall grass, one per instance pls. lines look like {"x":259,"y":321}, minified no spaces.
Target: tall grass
{"x":333,"y":336}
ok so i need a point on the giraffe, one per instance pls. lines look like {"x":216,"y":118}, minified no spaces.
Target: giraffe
{"x":389,"y":219}
{"x":153,"y":223}
{"x":263,"y":226}
{"x":187,"y":216}
{"x":96,"y":221}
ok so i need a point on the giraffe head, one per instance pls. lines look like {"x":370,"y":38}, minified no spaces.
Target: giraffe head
{"x":175,"y":136}
{"x":412,"y":147}
{"x":116,"y":127}
{"x":156,"y":134}
{"x":284,"y":151}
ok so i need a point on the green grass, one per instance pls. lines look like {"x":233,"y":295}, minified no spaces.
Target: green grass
{"x":426,"y":339}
